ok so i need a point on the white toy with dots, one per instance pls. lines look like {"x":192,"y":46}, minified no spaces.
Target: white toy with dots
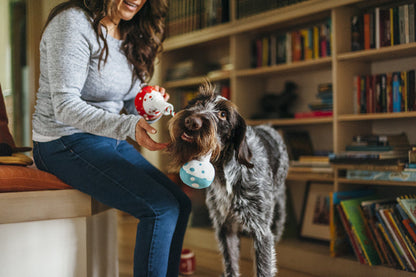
{"x":198,"y":174}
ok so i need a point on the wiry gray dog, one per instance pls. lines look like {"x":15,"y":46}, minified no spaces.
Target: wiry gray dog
{"x":251,"y":164}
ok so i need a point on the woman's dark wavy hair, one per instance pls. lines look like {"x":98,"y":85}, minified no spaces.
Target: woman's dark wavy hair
{"x":142,"y":35}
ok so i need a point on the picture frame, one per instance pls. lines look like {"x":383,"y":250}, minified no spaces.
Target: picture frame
{"x":315,"y":214}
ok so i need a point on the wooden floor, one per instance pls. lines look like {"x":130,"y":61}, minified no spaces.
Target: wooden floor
{"x":208,"y":264}
{"x":208,"y":261}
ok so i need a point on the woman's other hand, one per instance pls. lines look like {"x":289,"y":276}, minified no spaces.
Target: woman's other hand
{"x":143,"y":138}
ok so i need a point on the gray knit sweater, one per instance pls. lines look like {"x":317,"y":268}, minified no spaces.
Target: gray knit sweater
{"x":74,"y":96}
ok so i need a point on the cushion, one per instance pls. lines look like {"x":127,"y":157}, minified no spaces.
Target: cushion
{"x":15,"y":178}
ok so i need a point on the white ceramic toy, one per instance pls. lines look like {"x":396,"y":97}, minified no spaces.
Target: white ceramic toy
{"x":198,"y":174}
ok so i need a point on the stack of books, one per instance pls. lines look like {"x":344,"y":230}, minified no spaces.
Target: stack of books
{"x":322,"y":106}
{"x":374,"y":149}
{"x":317,"y":164}
{"x":377,"y":230}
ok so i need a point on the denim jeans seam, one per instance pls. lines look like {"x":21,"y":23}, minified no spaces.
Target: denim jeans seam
{"x":152,"y":244}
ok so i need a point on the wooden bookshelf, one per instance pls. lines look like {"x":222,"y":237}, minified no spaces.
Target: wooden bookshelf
{"x":376,"y":116}
{"x":249,"y":84}
{"x":196,"y":81}
{"x":285,"y":68}
{"x":291,"y":121}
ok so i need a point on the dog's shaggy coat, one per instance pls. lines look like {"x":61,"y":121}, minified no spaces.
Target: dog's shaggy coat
{"x":251,"y":164}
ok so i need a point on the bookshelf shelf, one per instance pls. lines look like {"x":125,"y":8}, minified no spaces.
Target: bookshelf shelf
{"x":286,"y":68}
{"x":377,"y":182}
{"x":195,"y":81}
{"x":198,"y":37}
{"x":310,"y":176}
{"x":291,"y":121}
{"x":384,"y":53}
{"x":376,"y":116}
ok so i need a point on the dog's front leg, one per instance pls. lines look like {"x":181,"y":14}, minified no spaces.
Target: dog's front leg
{"x":265,"y":253}
{"x":229,"y":243}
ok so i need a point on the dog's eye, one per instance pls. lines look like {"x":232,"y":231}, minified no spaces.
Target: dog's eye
{"x":222,"y":115}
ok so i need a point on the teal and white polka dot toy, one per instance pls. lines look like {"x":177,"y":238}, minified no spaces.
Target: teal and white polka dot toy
{"x":198,"y":174}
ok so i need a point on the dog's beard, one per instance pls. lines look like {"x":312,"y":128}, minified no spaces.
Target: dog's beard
{"x":196,"y":144}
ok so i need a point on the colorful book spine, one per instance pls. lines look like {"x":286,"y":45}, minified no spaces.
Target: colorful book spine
{"x":355,"y":217}
{"x":298,"y":45}
{"x":396,"y":90}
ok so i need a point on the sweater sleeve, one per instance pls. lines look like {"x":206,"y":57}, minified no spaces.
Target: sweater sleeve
{"x":69,"y":52}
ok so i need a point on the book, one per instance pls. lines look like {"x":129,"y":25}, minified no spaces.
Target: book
{"x":339,"y":244}
{"x":385,"y":22}
{"x":369,"y":155}
{"x":411,"y":91}
{"x":408,"y":204}
{"x":407,"y":222}
{"x":393,"y":249}
{"x":356,"y":94}
{"x":313,"y":114}
{"x":316,"y":159}
{"x":351,"y":236}
{"x":367,"y":31}
{"x":396,"y":90}
{"x":411,"y":19}
{"x":401,"y":176}
{"x":354,"y":215}
{"x":368,"y":147}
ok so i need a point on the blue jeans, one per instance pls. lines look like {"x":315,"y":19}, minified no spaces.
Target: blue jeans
{"x":115,"y":173}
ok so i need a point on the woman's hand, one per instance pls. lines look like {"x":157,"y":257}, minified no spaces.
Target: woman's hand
{"x":143,"y":138}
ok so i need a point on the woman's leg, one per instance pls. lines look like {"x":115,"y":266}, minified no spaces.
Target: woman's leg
{"x":93,"y":165}
{"x":132,"y":155}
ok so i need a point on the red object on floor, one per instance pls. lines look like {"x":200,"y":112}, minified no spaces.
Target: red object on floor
{"x":187,"y":264}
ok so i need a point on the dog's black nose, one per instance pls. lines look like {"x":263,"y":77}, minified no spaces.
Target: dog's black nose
{"x":193,"y":122}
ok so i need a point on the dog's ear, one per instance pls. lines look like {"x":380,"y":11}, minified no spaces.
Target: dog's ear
{"x":243,"y":152}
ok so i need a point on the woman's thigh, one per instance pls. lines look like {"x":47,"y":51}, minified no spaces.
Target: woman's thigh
{"x":93,"y":165}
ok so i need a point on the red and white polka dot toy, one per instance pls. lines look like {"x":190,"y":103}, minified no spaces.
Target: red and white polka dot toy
{"x":150,"y":103}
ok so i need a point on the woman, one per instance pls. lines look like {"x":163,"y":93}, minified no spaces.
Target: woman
{"x":95,"y":57}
